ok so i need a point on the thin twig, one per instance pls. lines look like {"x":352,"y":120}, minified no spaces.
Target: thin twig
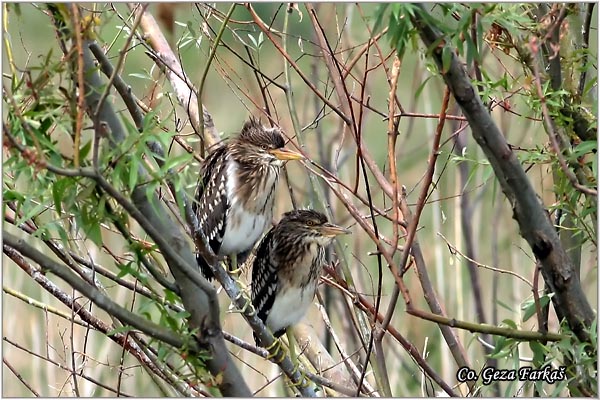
{"x":585,"y":45}
{"x":85,"y":316}
{"x":552,"y":129}
{"x":361,"y":302}
{"x":213,"y":52}
{"x":316,"y":91}
{"x":20,"y":378}
{"x":485,"y":328}
{"x":63,"y":367}
{"x":454,"y":250}
{"x":121,"y":60}
{"x":77,"y":31}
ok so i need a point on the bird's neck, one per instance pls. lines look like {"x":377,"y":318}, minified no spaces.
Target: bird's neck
{"x":255,"y":184}
{"x":304,"y":266}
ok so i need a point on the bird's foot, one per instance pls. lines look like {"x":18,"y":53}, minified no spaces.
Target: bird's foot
{"x":235,"y":268}
{"x":276,"y":351}
{"x":247,"y":309}
{"x":296,"y":368}
{"x":243,"y":286}
{"x":302,"y":381}
{"x":236,"y":273}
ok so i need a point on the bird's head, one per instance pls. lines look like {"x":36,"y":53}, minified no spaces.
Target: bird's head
{"x":311,"y":225}
{"x":266,"y":144}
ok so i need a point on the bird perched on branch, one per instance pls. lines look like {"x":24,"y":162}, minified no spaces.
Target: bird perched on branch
{"x":235,"y":194}
{"x":287,"y":267}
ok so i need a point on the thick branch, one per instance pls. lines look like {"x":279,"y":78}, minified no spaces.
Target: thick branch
{"x":535,"y":226}
{"x":182,"y":86}
{"x":311,"y":346}
{"x":199,"y":297}
{"x":277,"y":352}
{"x":95,"y":295}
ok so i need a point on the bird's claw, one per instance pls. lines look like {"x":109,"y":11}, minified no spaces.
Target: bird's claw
{"x":275,"y":350}
{"x":302,"y":382}
{"x":235,"y":270}
{"x":240,"y":283}
{"x":236,"y":273}
{"x":296,"y":367}
{"x":247,"y":305}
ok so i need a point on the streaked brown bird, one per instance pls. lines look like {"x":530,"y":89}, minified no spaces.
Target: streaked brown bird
{"x":235,"y":194}
{"x":287,"y":268}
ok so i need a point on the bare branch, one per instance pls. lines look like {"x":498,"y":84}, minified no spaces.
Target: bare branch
{"x":184,"y":90}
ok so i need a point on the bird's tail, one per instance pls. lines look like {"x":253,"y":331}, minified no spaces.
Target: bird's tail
{"x":204,"y":268}
{"x":207,"y":271}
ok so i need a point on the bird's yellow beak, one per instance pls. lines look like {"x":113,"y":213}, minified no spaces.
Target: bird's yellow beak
{"x":332,"y":230}
{"x":286,"y":154}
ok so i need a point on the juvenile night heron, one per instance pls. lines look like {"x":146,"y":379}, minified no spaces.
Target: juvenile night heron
{"x":287,"y":267}
{"x":235,"y":194}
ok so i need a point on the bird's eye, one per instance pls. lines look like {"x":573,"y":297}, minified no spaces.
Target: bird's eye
{"x":310,"y":223}
{"x":264,"y":146}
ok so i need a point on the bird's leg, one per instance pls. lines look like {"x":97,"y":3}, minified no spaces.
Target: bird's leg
{"x":295,"y":359}
{"x":234,"y":270}
{"x":302,"y":381}
{"x":236,"y":273}
{"x":291,"y":343}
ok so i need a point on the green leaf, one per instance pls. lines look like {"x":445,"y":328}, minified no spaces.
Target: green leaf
{"x":12,"y":195}
{"x":62,"y":233}
{"x":150,"y":191}
{"x":509,"y":323}
{"x":488,"y":171}
{"x":133,"y":173}
{"x":539,"y":353}
{"x":559,"y":387}
{"x":131,"y":269}
{"x":471,"y":50}
{"x":446,"y":58}
{"x":31,"y":212}
{"x":190,"y":28}
{"x":422,"y":86}
{"x":504,"y":347}
{"x":502,"y":353}
{"x":121,"y":329}
{"x":171,"y":320}
{"x":58,"y":192}
{"x":91,"y":227}
{"x":254,"y":42}
{"x":85,"y":192}
{"x":182,"y":315}
{"x":400,"y":27}
{"x":163,"y":352}
{"x":589,"y":146}
{"x":171,"y":297}
{"x":529,"y":308}
{"x":85,"y":150}
{"x":176,"y":161}
{"x":479,"y":40}
{"x":380,"y":13}
{"x":140,"y":76}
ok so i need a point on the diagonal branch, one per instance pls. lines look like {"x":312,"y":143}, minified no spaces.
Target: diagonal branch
{"x":184,"y":90}
{"x":535,"y":226}
{"x":94,"y":294}
{"x":198,"y":296}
